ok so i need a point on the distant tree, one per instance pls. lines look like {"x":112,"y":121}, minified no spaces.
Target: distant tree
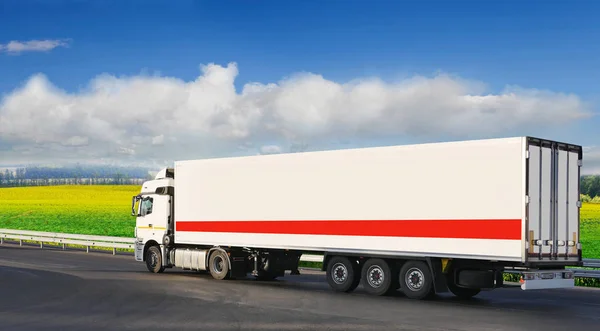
{"x":20,"y":177}
{"x":590,"y":185}
{"x":78,"y":174}
{"x":9,"y":177}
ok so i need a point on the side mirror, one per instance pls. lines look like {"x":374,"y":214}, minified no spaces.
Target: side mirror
{"x":133,"y":201}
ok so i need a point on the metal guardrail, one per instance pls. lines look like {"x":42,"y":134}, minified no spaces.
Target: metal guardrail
{"x":67,"y":239}
{"x":582,"y":273}
{"x":311,"y":258}
{"x":129,"y":243}
{"x":587,"y":273}
{"x":579,"y":273}
{"x":591,"y":263}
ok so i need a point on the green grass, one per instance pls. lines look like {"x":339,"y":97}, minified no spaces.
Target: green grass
{"x":94,"y":209}
{"x":590,"y":230}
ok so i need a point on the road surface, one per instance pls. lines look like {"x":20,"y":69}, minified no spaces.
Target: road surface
{"x":51,"y":289}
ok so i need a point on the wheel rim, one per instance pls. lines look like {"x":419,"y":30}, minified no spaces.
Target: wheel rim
{"x":153,"y":259}
{"x":414,"y":279}
{"x":218,"y":264}
{"x":375,"y":276}
{"x":339,"y":273}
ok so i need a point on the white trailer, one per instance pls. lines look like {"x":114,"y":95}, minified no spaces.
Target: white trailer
{"x":424,"y":218}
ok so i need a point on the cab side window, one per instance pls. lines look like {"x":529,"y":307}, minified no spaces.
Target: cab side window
{"x":146,"y":206}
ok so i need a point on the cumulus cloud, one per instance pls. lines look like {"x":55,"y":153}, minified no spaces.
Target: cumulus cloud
{"x":145,"y":118}
{"x":270,"y":149}
{"x":591,"y":160}
{"x":76,"y":141}
{"x":16,"y":47}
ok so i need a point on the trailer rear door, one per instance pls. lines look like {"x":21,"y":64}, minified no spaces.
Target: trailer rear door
{"x":553,"y":171}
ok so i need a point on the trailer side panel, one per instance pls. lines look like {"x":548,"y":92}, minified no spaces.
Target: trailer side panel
{"x":446,"y":199}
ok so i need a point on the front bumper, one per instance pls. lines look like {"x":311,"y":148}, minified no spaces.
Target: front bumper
{"x":139,"y":250}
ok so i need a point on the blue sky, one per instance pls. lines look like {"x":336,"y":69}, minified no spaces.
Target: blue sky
{"x":545,"y":45}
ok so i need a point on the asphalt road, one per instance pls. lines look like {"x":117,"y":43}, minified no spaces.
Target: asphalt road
{"x":71,"y":290}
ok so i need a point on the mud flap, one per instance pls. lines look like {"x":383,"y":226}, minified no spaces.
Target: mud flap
{"x":238,"y":266}
{"x":439,"y":278}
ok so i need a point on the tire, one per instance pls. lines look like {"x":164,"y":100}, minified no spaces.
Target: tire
{"x":377,"y":277}
{"x":461,"y":292}
{"x":218,"y":264}
{"x":343,"y":275}
{"x":416,"y":280}
{"x":154,"y":260}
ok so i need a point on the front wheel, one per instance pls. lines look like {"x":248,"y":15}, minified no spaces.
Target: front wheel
{"x":219,"y":265}
{"x":154,"y":260}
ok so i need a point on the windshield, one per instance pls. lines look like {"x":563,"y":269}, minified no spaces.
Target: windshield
{"x":146,"y":206}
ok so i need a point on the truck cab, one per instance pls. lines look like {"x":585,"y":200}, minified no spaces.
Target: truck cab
{"x":153,"y":210}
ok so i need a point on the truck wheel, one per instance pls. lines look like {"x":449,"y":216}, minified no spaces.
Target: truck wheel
{"x":416,"y":280}
{"x":342,"y":274}
{"x":154,"y":260}
{"x":461,"y":292}
{"x":219,"y":265}
{"x":377,"y":277}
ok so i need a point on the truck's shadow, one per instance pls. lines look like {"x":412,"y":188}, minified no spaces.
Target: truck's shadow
{"x":316,"y":282}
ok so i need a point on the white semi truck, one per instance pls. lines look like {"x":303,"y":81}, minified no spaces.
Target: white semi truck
{"x":424,"y":219}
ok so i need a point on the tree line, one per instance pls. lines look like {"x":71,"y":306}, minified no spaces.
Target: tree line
{"x":107,"y":175}
{"x":78,"y":175}
{"x":590,"y":186}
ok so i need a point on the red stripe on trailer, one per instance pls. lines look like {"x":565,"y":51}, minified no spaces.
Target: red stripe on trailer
{"x":457,"y":229}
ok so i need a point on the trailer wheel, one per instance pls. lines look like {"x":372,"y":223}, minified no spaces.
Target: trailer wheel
{"x":416,"y":280}
{"x":154,"y":260}
{"x":377,"y":277}
{"x":218,"y":264}
{"x":343,"y":275}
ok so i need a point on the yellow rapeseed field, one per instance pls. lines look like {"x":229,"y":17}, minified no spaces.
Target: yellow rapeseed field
{"x":85,"y":209}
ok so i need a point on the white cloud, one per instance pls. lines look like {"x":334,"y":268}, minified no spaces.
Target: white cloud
{"x":76,"y":141}
{"x":153,"y":119}
{"x":158,"y":140}
{"x":591,"y":160}
{"x":16,"y":47}
{"x":270,"y":149}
